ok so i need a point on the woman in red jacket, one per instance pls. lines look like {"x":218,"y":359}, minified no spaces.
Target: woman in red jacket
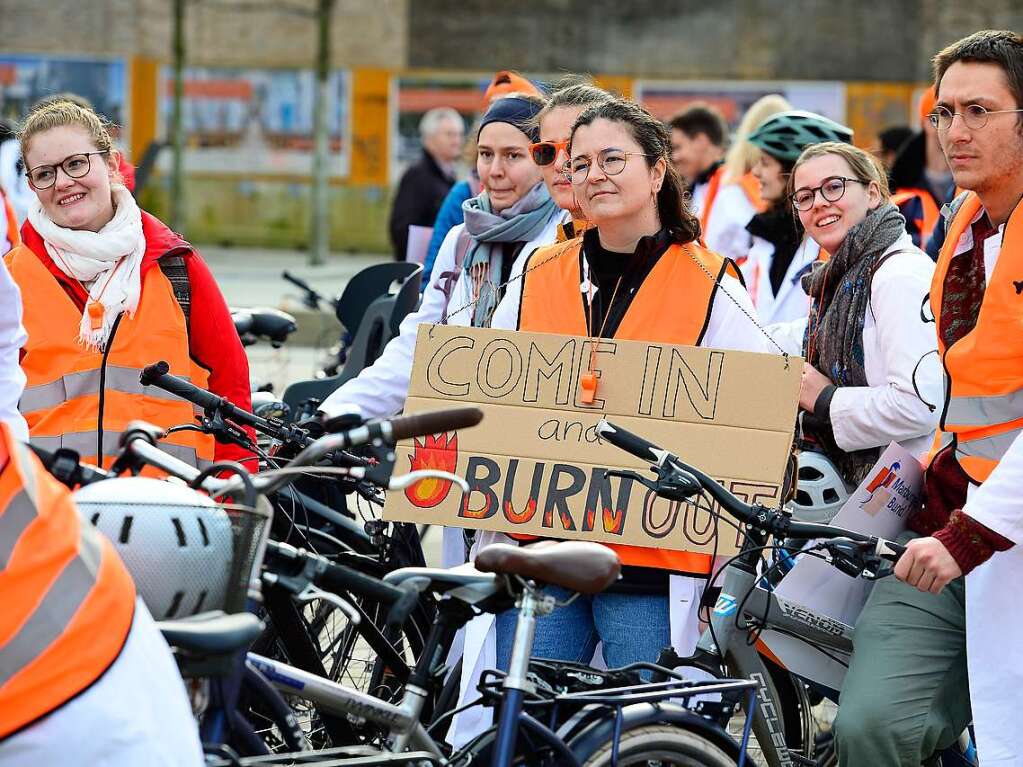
{"x":109,"y":289}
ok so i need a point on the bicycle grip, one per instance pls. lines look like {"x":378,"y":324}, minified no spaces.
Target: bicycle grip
{"x":629,"y":442}
{"x":157,"y":375}
{"x":434,"y":422}
{"x":339,"y":578}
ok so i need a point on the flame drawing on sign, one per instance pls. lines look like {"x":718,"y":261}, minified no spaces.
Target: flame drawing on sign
{"x":438,"y":452}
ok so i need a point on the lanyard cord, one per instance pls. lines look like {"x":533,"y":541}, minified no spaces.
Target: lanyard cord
{"x":589,"y":317}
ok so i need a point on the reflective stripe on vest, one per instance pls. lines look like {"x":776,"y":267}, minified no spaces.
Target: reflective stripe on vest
{"x":984,"y":411}
{"x":672,"y":306}
{"x":84,"y":443}
{"x":68,"y":601}
{"x":983,"y":408}
{"x":66,"y":382}
{"x":122,"y":379}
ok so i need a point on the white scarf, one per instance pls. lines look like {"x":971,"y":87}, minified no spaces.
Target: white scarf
{"x":92,"y":257}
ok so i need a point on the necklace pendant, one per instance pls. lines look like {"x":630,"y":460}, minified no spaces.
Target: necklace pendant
{"x":587,"y":388}
{"x":95,"y":311}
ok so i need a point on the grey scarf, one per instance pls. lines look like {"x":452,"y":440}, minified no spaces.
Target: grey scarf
{"x":840,"y":291}
{"x":484,"y":260}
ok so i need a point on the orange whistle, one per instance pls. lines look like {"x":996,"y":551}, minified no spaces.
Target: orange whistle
{"x":587,"y":388}
{"x":95,"y":309}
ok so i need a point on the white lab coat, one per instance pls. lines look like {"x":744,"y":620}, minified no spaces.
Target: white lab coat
{"x":726,"y":228}
{"x":791,"y":302}
{"x":993,"y":626}
{"x":380,"y":390}
{"x":12,"y":339}
{"x":898,"y":347}
{"x":728,"y":328}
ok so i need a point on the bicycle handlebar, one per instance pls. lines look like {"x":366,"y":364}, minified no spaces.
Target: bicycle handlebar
{"x":758,"y":516}
{"x":312,"y":298}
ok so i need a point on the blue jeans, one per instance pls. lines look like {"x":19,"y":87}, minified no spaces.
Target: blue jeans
{"x":632,"y":627}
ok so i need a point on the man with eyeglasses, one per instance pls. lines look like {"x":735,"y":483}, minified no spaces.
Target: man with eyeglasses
{"x":699,"y":135}
{"x":972,"y":514}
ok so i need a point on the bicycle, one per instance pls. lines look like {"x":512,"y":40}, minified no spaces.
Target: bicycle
{"x":747,"y":605}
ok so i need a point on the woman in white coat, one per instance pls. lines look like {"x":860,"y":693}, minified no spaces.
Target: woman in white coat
{"x":781,"y":254}
{"x":513,"y":215}
{"x":871,"y":374}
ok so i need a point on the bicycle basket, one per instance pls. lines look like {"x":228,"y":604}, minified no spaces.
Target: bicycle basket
{"x":186,"y":553}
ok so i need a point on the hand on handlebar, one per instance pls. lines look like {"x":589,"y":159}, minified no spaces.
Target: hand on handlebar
{"x":927,"y":565}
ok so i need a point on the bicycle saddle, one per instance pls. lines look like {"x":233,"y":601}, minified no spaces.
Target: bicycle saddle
{"x":265,"y":322}
{"x":587,"y":568}
{"x":212,"y":633}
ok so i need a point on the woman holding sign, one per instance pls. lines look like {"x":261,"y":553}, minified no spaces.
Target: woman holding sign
{"x":872,"y":375}
{"x":644,"y":278}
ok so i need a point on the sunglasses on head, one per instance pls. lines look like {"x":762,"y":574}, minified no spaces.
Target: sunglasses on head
{"x":546,"y":152}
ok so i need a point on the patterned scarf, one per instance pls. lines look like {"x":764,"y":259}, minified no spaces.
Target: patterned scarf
{"x":483,"y":263}
{"x":840,"y":291}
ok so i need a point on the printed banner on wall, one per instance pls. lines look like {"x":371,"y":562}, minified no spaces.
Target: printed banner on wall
{"x":24,"y":80}
{"x":536,"y":465}
{"x":733,"y":98}
{"x":257,"y":120}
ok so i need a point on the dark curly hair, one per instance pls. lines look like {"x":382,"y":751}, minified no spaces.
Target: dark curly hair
{"x":653,"y":137}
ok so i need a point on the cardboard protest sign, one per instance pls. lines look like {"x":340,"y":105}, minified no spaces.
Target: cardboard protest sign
{"x":536,"y":466}
{"x":881,"y":506}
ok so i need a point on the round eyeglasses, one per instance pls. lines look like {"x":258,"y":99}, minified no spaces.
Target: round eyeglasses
{"x":832,"y":190}
{"x":611,"y":161}
{"x":75,"y":166}
{"x":974,"y":116}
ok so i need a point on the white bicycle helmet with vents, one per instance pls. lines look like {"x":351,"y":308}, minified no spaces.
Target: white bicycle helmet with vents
{"x":177,"y":543}
{"x":820,"y":490}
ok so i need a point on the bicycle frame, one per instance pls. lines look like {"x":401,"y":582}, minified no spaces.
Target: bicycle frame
{"x":743,"y":660}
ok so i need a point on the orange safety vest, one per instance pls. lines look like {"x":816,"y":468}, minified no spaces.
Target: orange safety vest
{"x":983,"y":410}
{"x":68,"y":601}
{"x":13,"y":235}
{"x":931,"y":213}
{"x":749,"y":185}
{"x":76,"y":398}
{"x":672,"y":306}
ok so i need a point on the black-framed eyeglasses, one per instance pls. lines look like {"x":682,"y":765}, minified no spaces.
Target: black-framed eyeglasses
{"x":974,"y":116}
{"x":75,"y":166}
{"x":611,"y":161}
{"x":832,"y":190}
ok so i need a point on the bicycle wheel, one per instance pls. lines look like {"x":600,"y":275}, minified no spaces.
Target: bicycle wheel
{"x":273,"y":721}
{"x":661,"y":745}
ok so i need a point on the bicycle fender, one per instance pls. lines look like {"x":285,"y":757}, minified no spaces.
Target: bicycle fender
{"x":585,"y":734}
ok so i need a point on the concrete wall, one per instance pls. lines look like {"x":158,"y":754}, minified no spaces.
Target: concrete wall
{"x":751,"y":39}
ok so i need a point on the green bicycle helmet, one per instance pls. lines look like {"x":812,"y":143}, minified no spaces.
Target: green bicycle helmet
{"x":785,"y":135}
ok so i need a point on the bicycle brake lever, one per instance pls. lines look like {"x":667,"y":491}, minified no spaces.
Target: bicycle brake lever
{"x":647,"y":483}
{"x":311,"y":592}
{"x":403,"y":481}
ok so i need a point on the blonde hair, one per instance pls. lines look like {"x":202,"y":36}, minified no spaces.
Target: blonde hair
{"x":863,"y":165}
{"x":63,"y":112}
{"x":742,"y":155}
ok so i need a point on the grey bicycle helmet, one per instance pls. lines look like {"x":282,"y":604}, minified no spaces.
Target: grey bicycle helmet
{"x":820,"y":490}
{"x":177,"y":543}
{"x":785,"y":135}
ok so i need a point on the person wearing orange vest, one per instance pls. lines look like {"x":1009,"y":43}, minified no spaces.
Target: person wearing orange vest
{"x":698,"y":138}
{"x":920,"y":177}
{"x":645,"y":277}
{"x":936,"y":622}
{"x":85,"y":677}
{"x":99,"y":312}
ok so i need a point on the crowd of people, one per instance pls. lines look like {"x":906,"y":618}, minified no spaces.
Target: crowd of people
{"x":584,"y":215}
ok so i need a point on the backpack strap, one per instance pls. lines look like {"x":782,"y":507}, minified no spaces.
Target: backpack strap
{"x":175,"y":270}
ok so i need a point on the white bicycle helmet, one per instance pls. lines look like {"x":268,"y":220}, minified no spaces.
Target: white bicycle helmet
{"x":820,"y":490}
{"x":177,"y":543}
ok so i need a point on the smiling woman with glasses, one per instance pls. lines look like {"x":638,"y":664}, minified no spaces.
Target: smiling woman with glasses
{"x":637,"y":273}
{"x":108,"y":287}
{"x":862,"y":386}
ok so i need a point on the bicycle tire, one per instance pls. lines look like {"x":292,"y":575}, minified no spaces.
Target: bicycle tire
{"x":261,"y":701}
{"x":663,"y":744}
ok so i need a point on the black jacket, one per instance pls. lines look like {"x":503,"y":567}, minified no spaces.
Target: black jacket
{"x":420,"y":192}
